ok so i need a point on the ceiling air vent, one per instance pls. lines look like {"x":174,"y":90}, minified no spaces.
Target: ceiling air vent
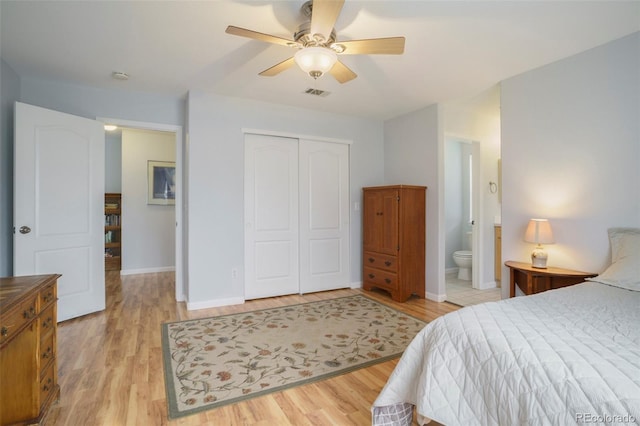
{"x":317,"y":92}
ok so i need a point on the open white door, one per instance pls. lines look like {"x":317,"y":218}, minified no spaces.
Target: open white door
{"x":58,"y":205}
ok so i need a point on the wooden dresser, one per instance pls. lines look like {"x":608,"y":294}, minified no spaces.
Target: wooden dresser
{"x":394,"y":240}
{"x":28,"y":326}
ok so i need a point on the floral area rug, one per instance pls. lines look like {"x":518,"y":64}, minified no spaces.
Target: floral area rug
{"x":221,"y":360}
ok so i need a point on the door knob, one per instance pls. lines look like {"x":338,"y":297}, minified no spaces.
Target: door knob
{"x":25,"y":229}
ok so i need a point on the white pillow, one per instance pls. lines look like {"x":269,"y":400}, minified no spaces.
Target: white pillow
{"x":624,"y":270}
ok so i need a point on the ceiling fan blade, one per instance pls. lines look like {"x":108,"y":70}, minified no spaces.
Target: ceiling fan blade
{"x":382,"y":46}
{"x":243,"y":32}
{"x":342,"y":73}
{"x":278,"y":68}
{"x":324,"y":14}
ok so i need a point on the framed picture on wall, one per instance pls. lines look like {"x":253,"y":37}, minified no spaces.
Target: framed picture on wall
{"x":161,"y":178}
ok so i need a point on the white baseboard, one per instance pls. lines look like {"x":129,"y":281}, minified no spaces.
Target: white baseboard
{"x":357,"y":284}
{"x":453,"y":270}
{"x":148,"y":270}
{"x":193,"y":306}
{"x":487,"y":286}
{"x":436,"y":297}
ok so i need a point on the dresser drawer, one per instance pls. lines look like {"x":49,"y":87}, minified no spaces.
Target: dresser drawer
{"x":47,"y":295}
{"x":47,"y":321}
{"x":12,"y":321}
{"x":381,"y":261}
{"x":380,"y":278}
{"x":47,"y":383}
{"x":47,"y":350}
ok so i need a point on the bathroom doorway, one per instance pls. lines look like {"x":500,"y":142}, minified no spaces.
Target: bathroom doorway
{"x":463,"y":207}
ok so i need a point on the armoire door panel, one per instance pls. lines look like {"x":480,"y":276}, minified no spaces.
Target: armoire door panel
{"x":372,"y":209}
{"x":389,"y":217}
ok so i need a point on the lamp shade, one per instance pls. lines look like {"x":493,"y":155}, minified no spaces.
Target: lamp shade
{"x":539,"y":232}
{"x":315,"y":61}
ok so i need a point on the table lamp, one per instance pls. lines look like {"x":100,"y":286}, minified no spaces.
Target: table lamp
{"x":539,"y":232}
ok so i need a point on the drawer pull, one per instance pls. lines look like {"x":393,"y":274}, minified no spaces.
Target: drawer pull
{"x":372,"y":276}
{"x":387,"y":262}
{"x":47,"y":323}
{"x":30,"y":313}
{"x":48,"y":297}
{"x":46,"y":386}
{"x":47,"y":353}
{"x":387,"y":280}
{"x":4,"y":331}
{"x":371,"y":259}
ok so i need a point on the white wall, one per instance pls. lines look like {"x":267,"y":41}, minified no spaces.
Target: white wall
{"x":91,"y":102}
{"x":9,"y":94}
{"x":148,"y":231}
{"x":478,"y":119}
{"x":113,"y":161}
{"x":411,"y":156}
{"x":215,"y":176}
{"x":570,"y":153}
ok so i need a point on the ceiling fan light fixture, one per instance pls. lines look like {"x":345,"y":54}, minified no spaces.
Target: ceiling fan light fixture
{"x":316,"y":61}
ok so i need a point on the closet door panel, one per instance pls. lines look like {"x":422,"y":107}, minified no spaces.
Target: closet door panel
{"x":324,"y":216}
{"x":271,"y":216}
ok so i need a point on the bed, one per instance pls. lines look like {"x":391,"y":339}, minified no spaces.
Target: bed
{"x":565,"y":356}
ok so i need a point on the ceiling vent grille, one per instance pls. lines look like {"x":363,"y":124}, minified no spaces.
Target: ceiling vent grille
{"x":317,"y":92}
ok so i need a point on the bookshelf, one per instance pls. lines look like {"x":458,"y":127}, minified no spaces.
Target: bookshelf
{"x":112,"y":231}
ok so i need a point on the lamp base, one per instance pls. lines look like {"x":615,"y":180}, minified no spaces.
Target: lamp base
{"x":539,"y":258}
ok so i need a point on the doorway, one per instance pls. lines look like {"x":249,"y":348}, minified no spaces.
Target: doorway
{"x":145,"y":131}
{"x":463,"y":222}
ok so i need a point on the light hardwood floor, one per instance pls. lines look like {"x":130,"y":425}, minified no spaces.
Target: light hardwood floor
{"x":110,"y":364}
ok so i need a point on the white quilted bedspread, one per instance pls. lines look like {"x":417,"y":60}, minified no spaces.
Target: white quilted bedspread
{"x":556,"y":358}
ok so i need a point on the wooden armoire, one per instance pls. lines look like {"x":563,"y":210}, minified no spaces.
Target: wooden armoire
{"x":394,"y":240}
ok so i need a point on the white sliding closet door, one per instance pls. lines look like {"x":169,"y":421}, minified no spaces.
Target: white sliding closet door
{"x":296,"y":216}
{"x":271,"y":216}
{"x":324,"y":216}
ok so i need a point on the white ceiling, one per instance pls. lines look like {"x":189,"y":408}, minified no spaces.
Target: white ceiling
{"x":454,"y":49}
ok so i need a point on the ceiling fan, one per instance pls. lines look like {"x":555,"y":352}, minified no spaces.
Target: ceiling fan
{"x":317,"y":45}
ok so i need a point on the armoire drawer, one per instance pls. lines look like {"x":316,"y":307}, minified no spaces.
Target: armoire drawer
{"x":381,"y":261}
{"x":381,"y":278}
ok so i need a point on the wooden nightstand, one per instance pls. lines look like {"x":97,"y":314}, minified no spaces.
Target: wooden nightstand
{"x":536,"y":280}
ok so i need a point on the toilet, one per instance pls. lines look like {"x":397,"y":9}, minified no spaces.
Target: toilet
{"x":464,"y":260}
